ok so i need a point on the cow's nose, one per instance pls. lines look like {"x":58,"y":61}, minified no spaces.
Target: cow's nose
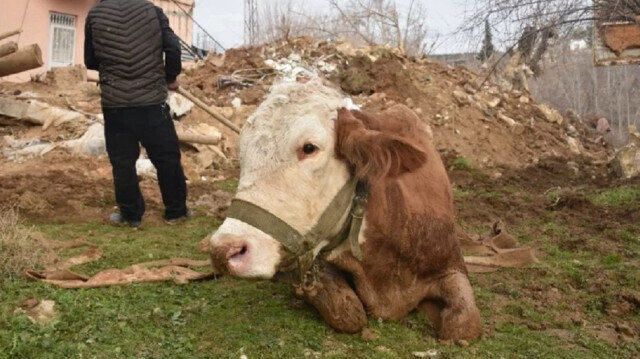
{"x":230,"y":255}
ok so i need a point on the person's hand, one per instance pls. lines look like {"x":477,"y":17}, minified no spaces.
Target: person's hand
{"x":174,"y":86}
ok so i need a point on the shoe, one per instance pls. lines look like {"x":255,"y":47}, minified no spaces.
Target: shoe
{"x":174,"y":221}
{"x":117,"y":218}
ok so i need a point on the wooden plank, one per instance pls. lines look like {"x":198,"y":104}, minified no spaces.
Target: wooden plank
{"x":9,"y":34}
{"x":8,"y":48}
{"x":24,"y":59}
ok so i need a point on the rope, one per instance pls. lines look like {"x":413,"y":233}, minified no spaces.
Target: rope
{"x":195,"y":22}
{"x":24,"y":16}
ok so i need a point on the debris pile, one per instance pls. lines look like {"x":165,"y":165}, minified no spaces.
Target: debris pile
{"x":490,"y":126}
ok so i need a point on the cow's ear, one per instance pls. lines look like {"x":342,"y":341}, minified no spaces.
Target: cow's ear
{"x":375,"y":154}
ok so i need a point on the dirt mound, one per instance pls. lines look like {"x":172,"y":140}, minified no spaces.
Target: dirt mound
{"x":488,"y":126}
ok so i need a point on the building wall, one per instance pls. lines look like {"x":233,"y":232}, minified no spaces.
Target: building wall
{"x":181,"y":24}
{"x":36,"y":24}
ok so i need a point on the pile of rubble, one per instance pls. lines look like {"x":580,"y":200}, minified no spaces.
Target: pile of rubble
{"x":489,"y":125}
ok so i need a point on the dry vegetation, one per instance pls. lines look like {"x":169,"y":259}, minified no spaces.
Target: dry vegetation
{"x":21,"y":248}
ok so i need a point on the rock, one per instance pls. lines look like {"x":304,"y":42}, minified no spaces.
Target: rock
{"x":178,"y":104}
{"x":574,"y":145}
{"x":494,"y":102}
{"x":345,"y":48}
{"x":236,"y":102}
{"x":377,"y":97}
{"x":549,"y":114}
{"x":295,"y":57}
{"x":383,"y":349}
{"x":462,"y":98}
{"x":627,"y":159}
{"x":515,"y":127}
{"x":524,"y":99}
{"x":39,"y":312}
{"x":145,"y":169}
{"x":571,"y":131}
{"x":431,"y":353}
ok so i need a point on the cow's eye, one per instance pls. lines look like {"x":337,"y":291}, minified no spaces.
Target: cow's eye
{"x":309,"y":149}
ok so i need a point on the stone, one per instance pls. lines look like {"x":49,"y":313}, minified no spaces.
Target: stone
{"x":462,"y":98}
{"x":377,"y":97}
{"x":549,"y":114}
{"x":431,"y":353}
{"x":236,"y":102}
{"x":178,"y":104}
{"x":494,"y":102}
{"x":574,"y":145}
{"x":627,"y":159}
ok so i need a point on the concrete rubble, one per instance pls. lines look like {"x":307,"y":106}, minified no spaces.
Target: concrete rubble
{"x":627,"y":159}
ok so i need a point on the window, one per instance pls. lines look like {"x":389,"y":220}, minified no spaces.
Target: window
{"x":62,"y":39}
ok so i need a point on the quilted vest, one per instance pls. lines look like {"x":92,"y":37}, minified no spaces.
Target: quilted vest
{"x":128,"y":45}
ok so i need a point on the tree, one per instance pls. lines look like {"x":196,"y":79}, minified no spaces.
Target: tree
{"x":380,"y":22}
{"x":487,"y":44}
{"x":542,"y":20}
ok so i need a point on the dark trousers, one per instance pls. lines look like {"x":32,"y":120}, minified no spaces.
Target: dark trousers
{"x":125,"y":129}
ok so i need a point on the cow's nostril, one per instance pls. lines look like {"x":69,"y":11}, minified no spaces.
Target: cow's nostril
{"x":238,"y":252}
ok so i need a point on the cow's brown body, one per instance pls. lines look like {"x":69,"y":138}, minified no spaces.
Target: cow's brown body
{"x":412,"y":259}
{"x":295,"y":157}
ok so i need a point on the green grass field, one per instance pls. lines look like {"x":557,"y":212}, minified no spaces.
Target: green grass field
{"x":550,"y":310}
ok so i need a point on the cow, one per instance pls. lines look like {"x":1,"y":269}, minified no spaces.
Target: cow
{"x":298,"y":152}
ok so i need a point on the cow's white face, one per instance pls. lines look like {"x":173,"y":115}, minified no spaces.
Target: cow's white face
{"x":288,"y":167}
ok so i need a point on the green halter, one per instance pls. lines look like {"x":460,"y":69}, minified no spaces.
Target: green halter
{"x":299,"y":247}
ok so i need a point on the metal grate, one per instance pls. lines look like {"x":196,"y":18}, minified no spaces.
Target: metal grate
{"x":63,"y":19}
{"x":62,"y":39}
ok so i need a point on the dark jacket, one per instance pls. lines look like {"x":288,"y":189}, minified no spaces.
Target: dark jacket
{"x":125,"y":41}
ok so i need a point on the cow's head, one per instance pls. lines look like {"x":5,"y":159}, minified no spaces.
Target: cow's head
{"x":296,"y":152}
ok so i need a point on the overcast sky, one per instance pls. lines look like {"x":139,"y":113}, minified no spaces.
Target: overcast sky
{"x":223,"y":19}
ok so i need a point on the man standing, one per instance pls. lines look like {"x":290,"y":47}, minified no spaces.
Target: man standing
{"x":125,"y":41}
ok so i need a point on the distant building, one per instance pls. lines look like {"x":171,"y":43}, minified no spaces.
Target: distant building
{"x":57,"y":26}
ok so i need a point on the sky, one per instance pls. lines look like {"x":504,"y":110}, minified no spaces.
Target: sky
{"x":223,"y":19}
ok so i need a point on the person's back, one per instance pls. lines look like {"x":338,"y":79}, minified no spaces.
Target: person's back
{"x":125,"y":40}
{"x":128,"y":47}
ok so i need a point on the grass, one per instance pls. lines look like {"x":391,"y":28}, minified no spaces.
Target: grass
{"x":461,"y":163}
{"x":226,"y":318}
{"x":618,"y":197}
{"x":229,"y":185}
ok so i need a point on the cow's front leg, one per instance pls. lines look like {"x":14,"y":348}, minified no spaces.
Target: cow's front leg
{"x":336,"y":301}
{"x":451,"y":308}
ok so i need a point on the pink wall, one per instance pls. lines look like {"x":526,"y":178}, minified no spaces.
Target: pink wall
{"x":36,"y":24}
{"x":181,"y":24}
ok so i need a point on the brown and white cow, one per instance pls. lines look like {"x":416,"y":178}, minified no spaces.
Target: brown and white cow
{"x":296,"y":152}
